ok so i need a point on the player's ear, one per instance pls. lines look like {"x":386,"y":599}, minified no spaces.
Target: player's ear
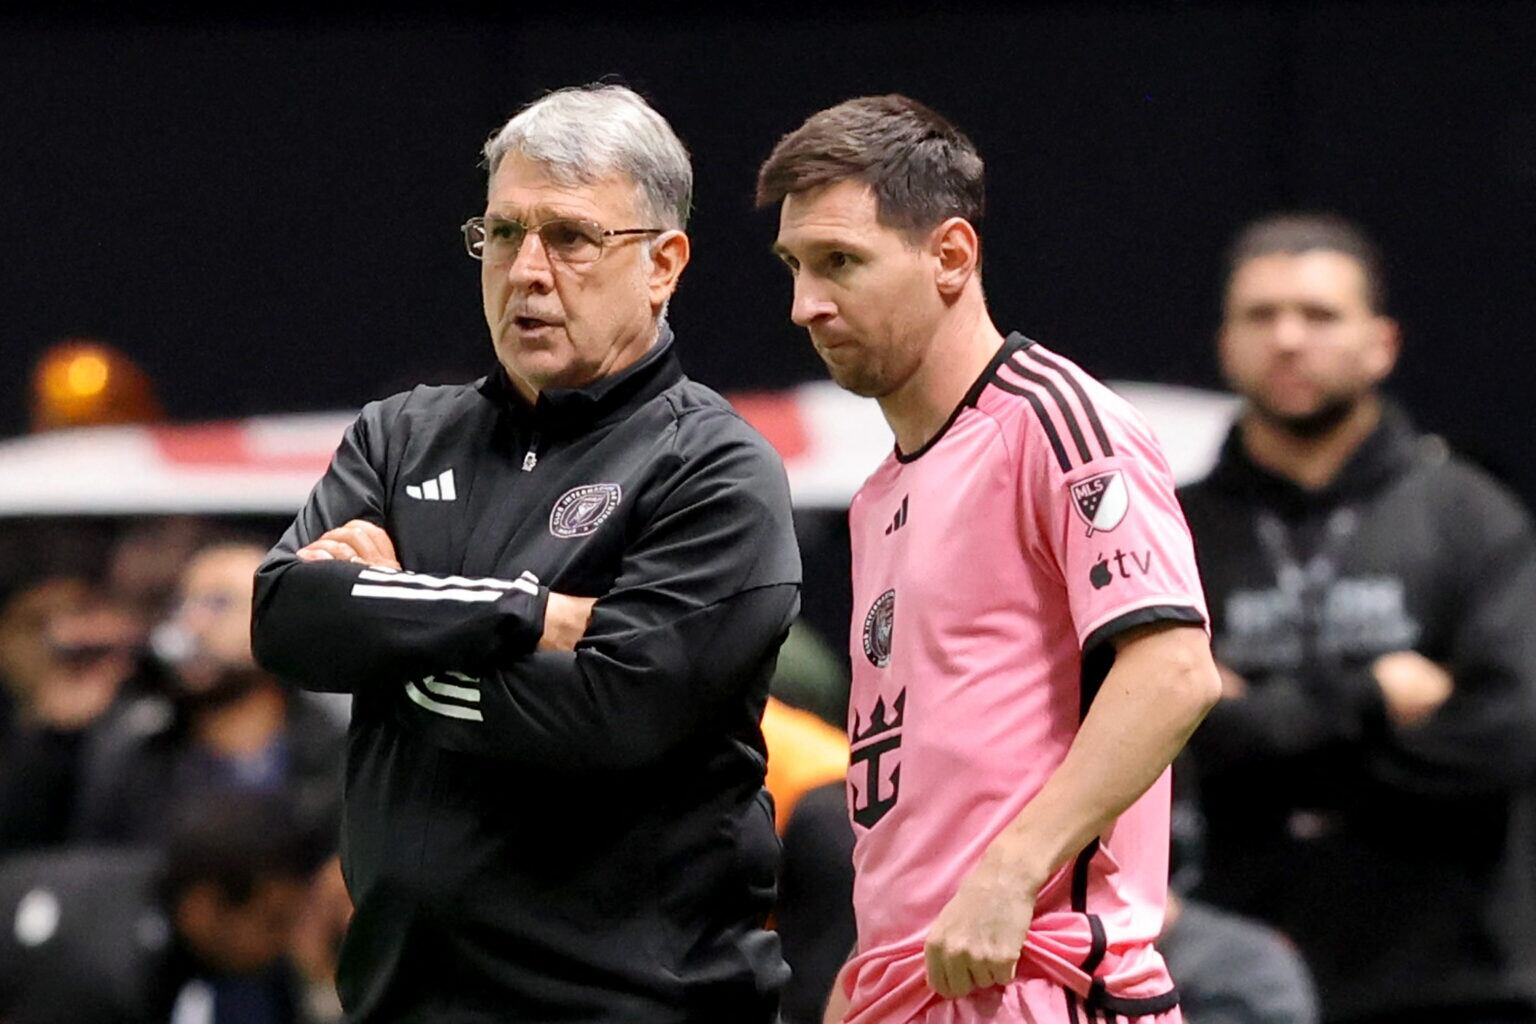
{"x":1386,"y":343}
{"x":669,"y":255}
{"x":956,"y":249}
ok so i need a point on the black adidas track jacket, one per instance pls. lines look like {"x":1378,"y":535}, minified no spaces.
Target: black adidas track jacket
{"x":551,"y":836}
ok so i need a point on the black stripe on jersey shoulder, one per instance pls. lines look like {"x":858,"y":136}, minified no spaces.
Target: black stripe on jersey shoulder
{"x":1015,"y":342}
{"x":1070,"y":375}
{"x":1141,"y":617}
{"x":1067,"y":415}
{"x":1044,"y":417}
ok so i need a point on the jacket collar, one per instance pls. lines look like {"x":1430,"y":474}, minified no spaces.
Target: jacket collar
{"x":631,"y":387}
{"x":1385,"y":454}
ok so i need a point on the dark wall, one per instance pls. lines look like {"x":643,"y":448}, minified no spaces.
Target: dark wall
{"x":264,"y":213}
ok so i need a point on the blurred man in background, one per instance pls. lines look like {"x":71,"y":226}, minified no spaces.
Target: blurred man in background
{"x":1366,"y":776}
{"x":223,"y":723}
{"x":68,"y":654}
{"x":192,"y":930}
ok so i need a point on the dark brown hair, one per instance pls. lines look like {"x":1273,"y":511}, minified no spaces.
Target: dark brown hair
{"x":921,"y":168}
{"x":1292,"y":234}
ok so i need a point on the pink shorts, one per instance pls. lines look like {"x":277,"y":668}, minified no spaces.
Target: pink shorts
{"x":1031,"y":1001}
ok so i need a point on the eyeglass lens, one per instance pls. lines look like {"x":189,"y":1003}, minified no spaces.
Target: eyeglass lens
{"x":500,"y":239}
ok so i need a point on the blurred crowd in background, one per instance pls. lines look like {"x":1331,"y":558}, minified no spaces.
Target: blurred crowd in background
{"x":169,"y":812}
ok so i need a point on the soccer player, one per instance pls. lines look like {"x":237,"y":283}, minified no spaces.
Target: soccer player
{"x":1028,"y":630}
{"x":548,"y":819}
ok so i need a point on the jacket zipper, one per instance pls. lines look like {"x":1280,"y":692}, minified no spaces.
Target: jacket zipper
{"x":531,"y":458}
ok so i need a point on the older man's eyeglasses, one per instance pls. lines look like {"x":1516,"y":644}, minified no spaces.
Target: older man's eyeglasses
{"x":500,"y":239}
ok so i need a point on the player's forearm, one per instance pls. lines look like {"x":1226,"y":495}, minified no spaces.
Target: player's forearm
{"x":335,"y":626}
{"x":628,"y":695}
{"x":1161,"y":686}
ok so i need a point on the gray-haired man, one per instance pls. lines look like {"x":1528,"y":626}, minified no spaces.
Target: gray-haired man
{"x":554,"y":809}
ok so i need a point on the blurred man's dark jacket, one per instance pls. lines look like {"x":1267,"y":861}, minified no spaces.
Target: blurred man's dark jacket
{"x":1398,"y":858}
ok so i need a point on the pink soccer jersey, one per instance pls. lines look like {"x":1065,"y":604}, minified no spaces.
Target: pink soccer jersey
{"x":990,"y":568}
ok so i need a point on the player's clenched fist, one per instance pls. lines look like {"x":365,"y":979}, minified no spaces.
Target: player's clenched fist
{"x":978,"y":936}
{"x":354,"y":541}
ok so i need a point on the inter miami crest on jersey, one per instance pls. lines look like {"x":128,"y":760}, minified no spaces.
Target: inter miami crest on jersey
{"x":878,"y":625}
{"x":877,"y":747}
{"x":1101,"y":501}
{"x":581,"y":510}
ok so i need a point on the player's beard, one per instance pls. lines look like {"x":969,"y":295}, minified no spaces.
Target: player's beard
{"x":1320,"y":421}
{"x":865,"y":371}
{"x":861,"y":380}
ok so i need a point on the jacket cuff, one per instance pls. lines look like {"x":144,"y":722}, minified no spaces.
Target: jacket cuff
{"x":522,"y":620}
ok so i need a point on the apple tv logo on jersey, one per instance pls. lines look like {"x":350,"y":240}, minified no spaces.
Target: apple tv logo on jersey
{"x":1101,"y":576}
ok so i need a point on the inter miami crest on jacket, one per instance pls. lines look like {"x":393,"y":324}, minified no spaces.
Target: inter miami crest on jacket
{"x":581,"y":510}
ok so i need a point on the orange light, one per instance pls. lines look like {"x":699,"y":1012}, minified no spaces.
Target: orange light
{"x":83,"y":381}
{"x":87,"y":374}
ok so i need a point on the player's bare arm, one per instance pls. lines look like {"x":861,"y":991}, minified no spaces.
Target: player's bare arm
{"x":565,"y":617}
{"x":1162,"y":684}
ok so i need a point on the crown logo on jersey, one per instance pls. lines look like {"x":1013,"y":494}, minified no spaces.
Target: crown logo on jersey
{"x":877,"y":718}
{"x":878,"y":749}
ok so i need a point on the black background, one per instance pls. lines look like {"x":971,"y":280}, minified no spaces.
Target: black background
{"x":262,"y":209}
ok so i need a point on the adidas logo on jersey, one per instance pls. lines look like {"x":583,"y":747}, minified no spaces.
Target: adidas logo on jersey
{"x":901,"y":518}
{"x":439,"y":488}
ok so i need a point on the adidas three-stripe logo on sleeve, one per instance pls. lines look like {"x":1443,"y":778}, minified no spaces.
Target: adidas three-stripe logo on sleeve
{"x":395,"y":584}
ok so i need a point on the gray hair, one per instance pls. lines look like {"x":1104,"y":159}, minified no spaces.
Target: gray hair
{"x":584,"y":133}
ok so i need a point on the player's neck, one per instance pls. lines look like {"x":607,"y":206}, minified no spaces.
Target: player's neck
{"x":1311,"y":463}
{"x":956,"y":355}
